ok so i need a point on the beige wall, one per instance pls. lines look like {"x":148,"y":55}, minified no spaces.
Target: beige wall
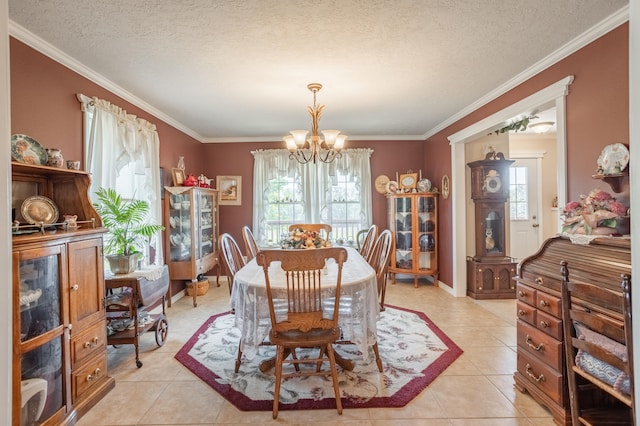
{"x":547,"y":144}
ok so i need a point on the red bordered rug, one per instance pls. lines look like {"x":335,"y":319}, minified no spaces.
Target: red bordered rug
{"x":413,"y":349}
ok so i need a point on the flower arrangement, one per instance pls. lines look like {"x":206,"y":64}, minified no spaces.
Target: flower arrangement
{"x":301,"y":239}
{"x":597,"y":213}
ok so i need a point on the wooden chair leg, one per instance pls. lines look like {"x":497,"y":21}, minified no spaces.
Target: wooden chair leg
{"x":378,"y":360}
{"x":238,"y":359}
{"x":276,"y":393}
{"x":334,"y":376}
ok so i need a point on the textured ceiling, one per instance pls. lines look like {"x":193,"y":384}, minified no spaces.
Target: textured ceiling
{"x":238,"y":70}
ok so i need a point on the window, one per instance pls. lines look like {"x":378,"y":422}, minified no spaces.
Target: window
{"x":518,"y":193}
{"x":123,"y":152}
{"x":287,"y":192}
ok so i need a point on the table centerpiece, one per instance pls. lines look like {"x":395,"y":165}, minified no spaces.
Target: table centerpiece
{"x":298,"y":238}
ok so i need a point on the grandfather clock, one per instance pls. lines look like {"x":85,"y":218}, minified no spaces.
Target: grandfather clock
{"x":490,"y":271}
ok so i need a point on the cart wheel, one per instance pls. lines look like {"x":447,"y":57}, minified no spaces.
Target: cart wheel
{"x":138,"y":363}
{"x":162,"y":328}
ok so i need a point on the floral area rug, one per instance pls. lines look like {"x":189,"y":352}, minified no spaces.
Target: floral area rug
{"x":414,"y":351}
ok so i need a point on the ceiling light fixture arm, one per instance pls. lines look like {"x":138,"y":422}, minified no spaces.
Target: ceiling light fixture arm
{"x":315,"y":148}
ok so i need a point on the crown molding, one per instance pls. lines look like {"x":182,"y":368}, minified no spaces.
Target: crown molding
{"x":20,"y":33}
{"x":603,"y":27}
{"x":351,"y":138}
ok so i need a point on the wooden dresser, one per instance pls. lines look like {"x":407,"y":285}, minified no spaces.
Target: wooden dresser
{"x":541,"y":367}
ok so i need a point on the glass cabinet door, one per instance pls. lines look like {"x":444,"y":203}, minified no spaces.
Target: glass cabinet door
{"x":39,"y":295}
{"x":404,"y":232}
{"x":427,"y":233}
{"x":180,"y":223}
{"x":205,"y":223}
{"x":37,"y":285}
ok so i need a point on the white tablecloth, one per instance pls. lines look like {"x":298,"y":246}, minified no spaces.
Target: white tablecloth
{"x":359,"y":309}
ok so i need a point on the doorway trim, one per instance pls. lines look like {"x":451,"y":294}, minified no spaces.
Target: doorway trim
{"x":555,"y":94}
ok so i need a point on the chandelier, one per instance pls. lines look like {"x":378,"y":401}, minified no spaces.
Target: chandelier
{"x":314,"y":148}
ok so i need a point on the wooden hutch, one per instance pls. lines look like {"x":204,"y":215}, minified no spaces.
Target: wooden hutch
{"x":59,"y":328}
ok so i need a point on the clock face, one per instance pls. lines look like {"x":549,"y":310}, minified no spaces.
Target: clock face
{"x":492,"y":184}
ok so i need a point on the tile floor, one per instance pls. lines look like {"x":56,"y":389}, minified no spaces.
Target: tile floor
{"x":477,"y":389}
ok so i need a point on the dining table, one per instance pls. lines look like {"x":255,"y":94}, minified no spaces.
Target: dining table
{"x":358,"y":312}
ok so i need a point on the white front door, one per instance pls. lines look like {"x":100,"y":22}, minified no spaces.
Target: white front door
{"x":525,"y":230}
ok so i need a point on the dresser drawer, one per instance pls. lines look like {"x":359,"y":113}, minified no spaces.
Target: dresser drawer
{"x":542,"y":280}
{"x":550,"y":325}
{"x":526,"y":294}
{"x":540,"y":345}
{"x":526,"y":313}
{"x":89,"y":376}
{"x":541,"y":376}
{"x":548,"y":303}
{"x":87,"y":343}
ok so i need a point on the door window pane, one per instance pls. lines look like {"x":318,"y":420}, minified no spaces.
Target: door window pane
{"x":518,"y":190}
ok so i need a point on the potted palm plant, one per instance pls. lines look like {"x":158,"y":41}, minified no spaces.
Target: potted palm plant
{"x":128,"y":231}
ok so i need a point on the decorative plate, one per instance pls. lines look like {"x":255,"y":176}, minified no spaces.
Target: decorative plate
{"x":424,"y":185}
{"x":392,"y":187}
{"x":38,"y":209}
{"x":613,"y":159}
{"x":25,"y":149}
{"x":445,"y":186}
{"x":381,"y":183}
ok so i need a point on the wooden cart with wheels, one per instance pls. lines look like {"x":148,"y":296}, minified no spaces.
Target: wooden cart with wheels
{"x":130,"y":297}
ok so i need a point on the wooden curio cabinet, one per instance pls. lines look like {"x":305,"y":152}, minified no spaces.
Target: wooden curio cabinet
{"x":191,"y":223}
{"x":59,"y":331}
{"x":413,"y":219}
{"x":490,"y":272}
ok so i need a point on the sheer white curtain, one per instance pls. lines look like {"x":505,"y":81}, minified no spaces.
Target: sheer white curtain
{"x":314,"y":182}
{"x":268,"y":164}
{"x":356,"y":163}
{"x":115,"y":141}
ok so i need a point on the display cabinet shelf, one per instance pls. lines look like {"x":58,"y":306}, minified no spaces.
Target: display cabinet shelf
{"x":413,"y":219}
{"x":191,"y":222}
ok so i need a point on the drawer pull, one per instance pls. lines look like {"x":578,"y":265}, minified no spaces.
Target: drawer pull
{"x":75,"y":287}
{"x":544,"y":324}
{"x":94,"y":376}
{"x":522,"y":293}
{"x":532,"y":346}
{"x":91,"y":343}
{"x":539,"y":280}
{"x":522,"y":313}
{"x":544,"y":303}
{"x":533,"y":376}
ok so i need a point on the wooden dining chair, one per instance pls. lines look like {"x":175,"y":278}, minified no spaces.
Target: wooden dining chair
{"x":598,"y":351}
{"x":305,"y":324}
{"x":369,"y":241}
{"x":232,"y":257}
{"x":233,"y":261}
{"x":250,"y":244}
{"x":379,"y":261}
{"x":317,"y":227}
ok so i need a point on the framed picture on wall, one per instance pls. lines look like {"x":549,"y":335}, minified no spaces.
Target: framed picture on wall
{"x":230,"y":190}
{"x":178,"y":176}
